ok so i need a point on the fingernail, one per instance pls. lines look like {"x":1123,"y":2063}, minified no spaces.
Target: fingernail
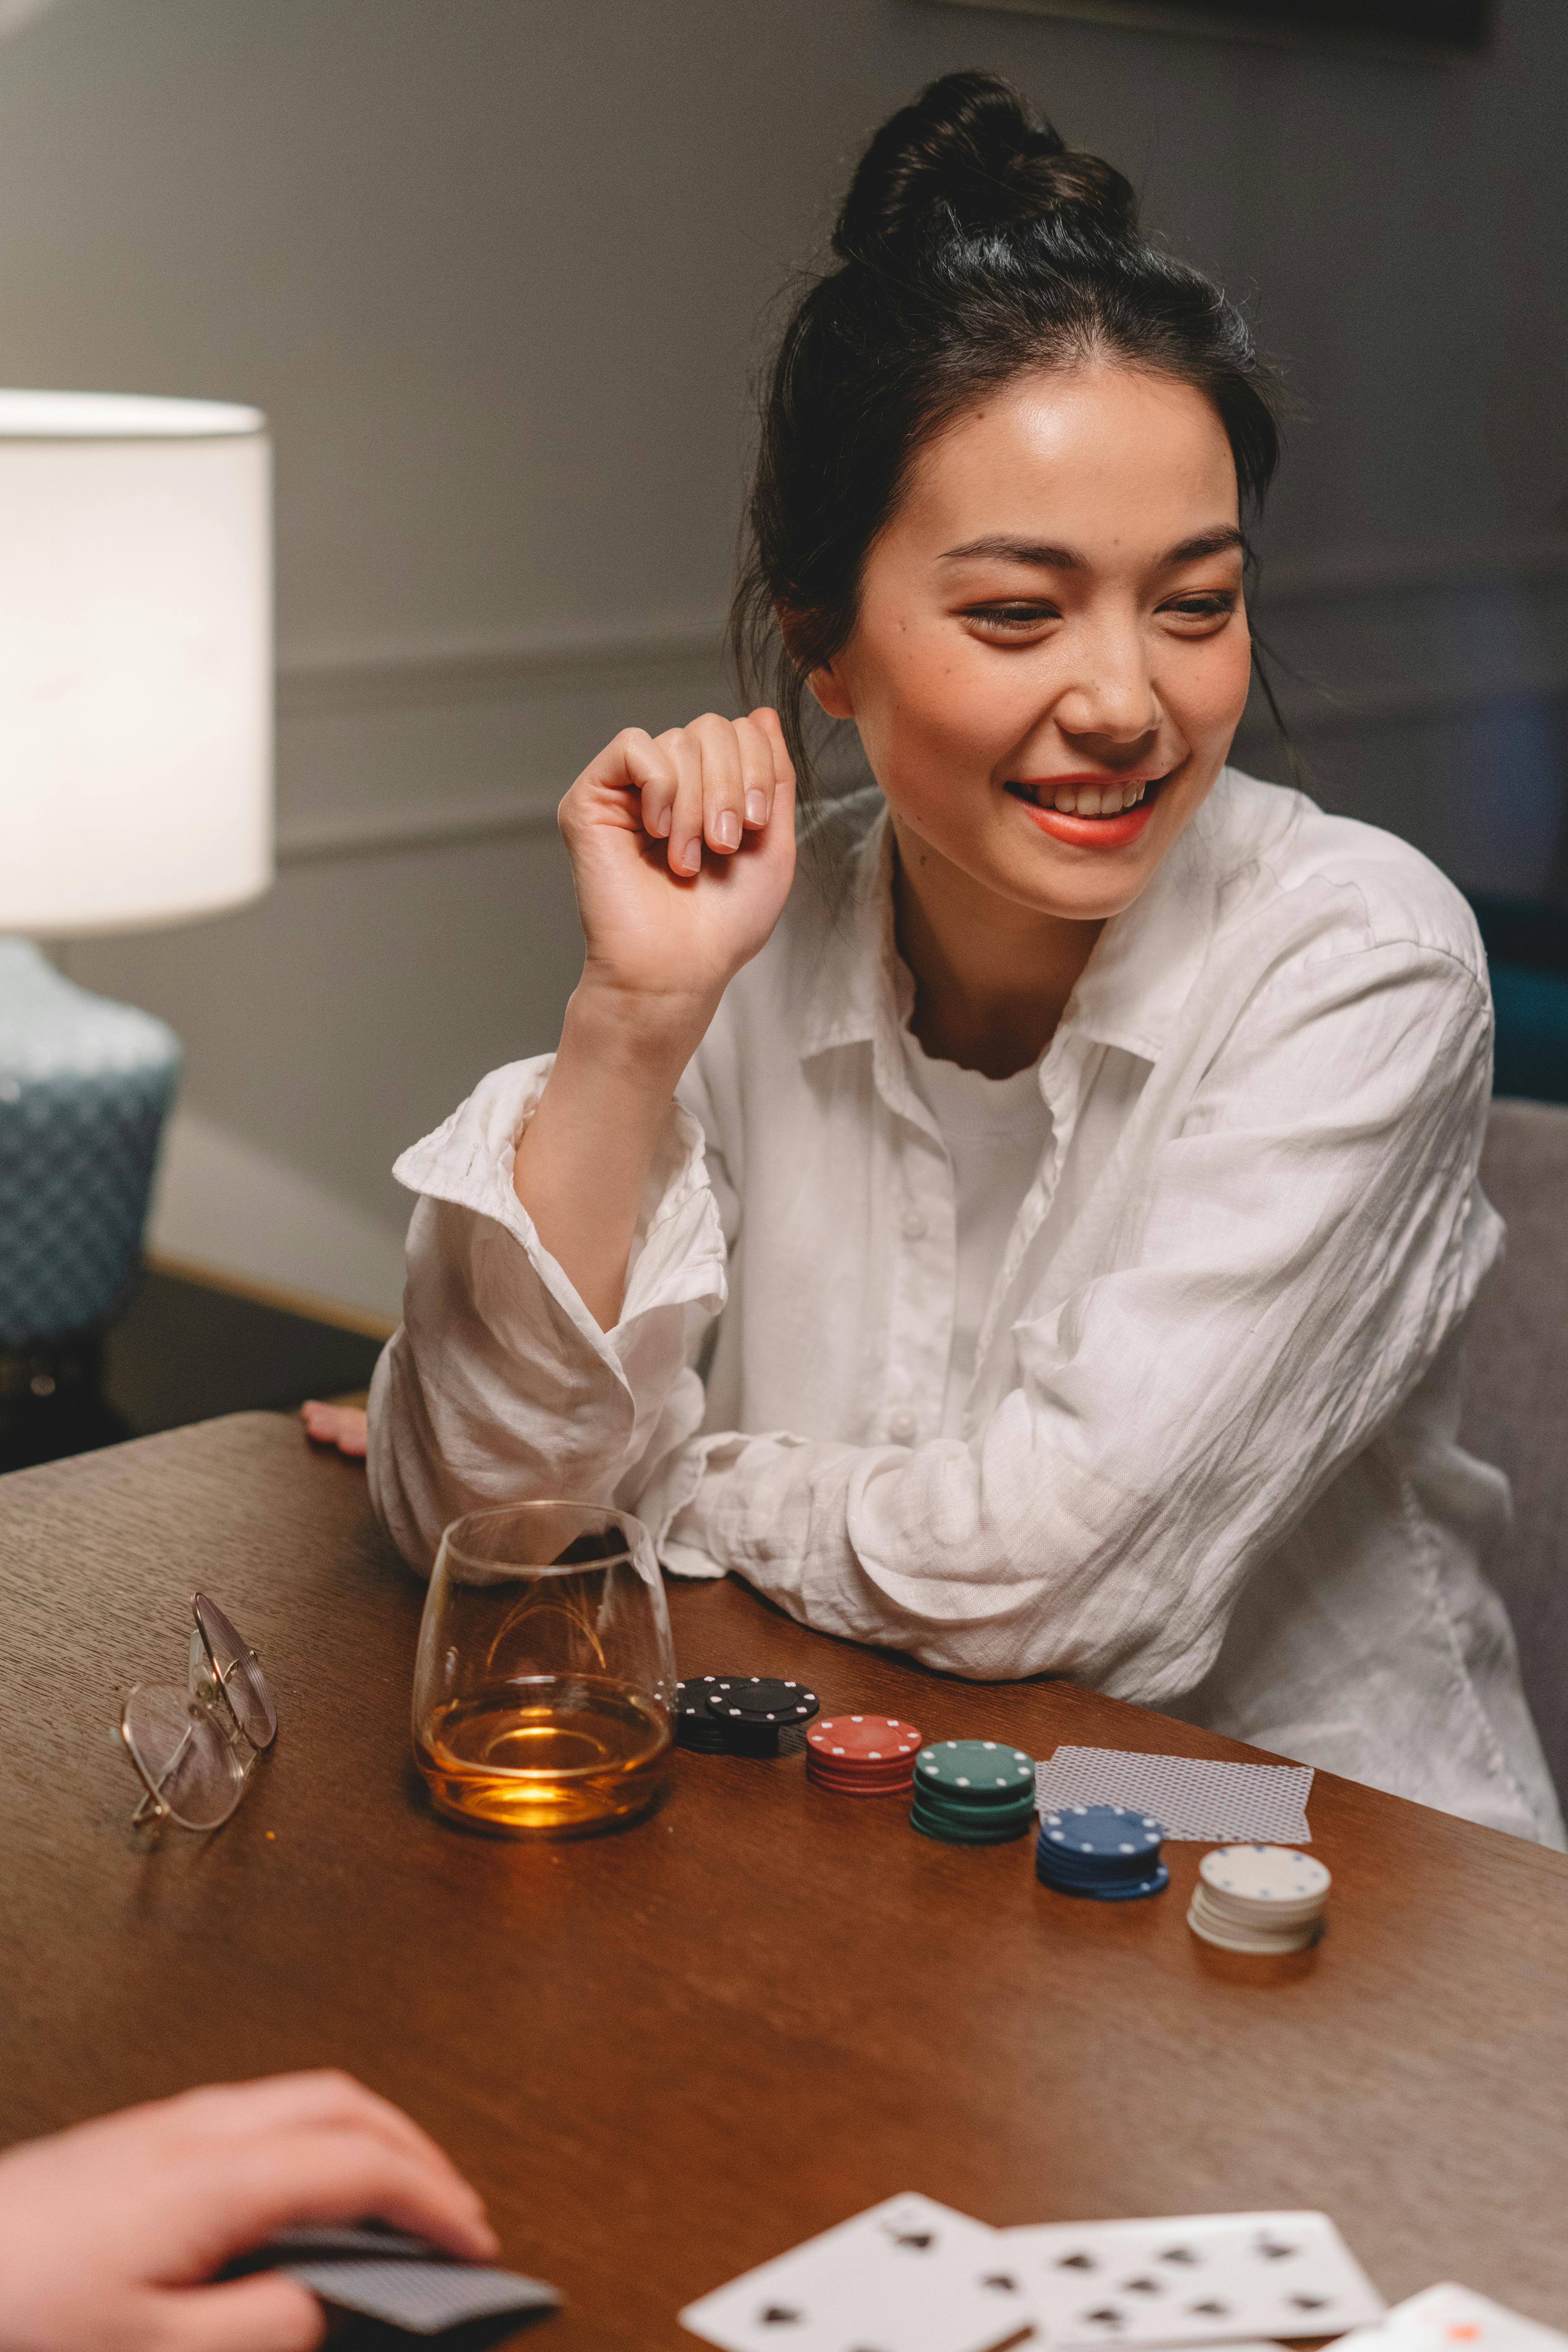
{"x":726,"y":830}
{"x":756,"y":808}
{"x":688,"y":858}
{"x":666,"y":819}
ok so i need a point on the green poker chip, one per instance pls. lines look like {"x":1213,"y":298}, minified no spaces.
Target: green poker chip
{"x":950,"y":1833}
{"x":975,"y":1771}
{"x":951,"y":1806}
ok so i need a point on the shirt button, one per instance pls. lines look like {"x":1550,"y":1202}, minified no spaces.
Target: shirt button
{"x":902,"y":1425}
{"x":914,"y":1225}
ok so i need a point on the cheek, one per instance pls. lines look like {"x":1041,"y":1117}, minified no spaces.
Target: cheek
{"x":937,"y":706}
{"x":1206,"y":692}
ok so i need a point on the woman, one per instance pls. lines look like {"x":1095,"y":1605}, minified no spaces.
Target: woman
{"x":1038,"y":1236}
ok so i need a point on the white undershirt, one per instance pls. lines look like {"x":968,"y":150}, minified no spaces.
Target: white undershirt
{"x":996,"y":1130}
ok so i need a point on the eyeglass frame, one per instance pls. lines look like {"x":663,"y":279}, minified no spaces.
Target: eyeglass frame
{"x":207,"y":1685}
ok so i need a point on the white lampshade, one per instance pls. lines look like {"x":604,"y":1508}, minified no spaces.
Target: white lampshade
{"x":135,"y":660}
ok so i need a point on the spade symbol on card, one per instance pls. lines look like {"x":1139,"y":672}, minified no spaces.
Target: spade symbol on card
{"x":1003,"y":2281}
{"x":1076,"y":2263}
{"x":1141,"y":2286}
{"x":1179,"y":2254}
{"x":1210,"y":2310}
{"x":777,"y":2315}
{"x":920,"y":2239}
{"x":1108,"y":2317}
{"x":1310,"y":2301}
{"x":1271,"y":2250}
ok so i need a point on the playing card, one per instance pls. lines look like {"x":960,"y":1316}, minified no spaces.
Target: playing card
{"x":1444,"y":2317}
{"x":908,"y":2277}
{"x":403,"y":2280}
{"x":423,"y":2297}
{"x":1206,"y":2278}
{"x":1190,"y":1797}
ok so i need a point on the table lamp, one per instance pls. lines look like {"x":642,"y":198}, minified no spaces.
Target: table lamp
{"x":135,"y":791}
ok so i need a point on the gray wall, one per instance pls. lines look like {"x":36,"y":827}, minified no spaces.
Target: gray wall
{"x":499,"y":271}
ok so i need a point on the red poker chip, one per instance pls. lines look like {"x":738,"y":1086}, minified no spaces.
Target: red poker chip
{"x":847,"y":1740}
{"x":861,"y":1774}
{"x":835,"y":1787}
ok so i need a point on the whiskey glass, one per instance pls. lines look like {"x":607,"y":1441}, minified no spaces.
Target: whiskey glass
{"x":544,"y":1684}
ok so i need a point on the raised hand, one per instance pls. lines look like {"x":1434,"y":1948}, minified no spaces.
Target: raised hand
{"x":682,"y":850}
{"x":109,"y":2233}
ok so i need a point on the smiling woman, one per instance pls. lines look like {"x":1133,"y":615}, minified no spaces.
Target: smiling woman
{"x":1047,"y":1248}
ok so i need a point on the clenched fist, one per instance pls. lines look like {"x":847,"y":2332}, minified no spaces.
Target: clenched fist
{"x":682,"y":851}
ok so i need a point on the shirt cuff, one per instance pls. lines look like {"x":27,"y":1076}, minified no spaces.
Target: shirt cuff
{"x":678,"y":1259}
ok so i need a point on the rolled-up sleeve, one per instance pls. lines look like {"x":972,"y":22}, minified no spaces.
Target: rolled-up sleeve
{"x":499,"y":1384}
{"x":1294,"y":1256}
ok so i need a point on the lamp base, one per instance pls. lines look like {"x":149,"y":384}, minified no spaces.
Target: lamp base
{"x":84,"y":1088}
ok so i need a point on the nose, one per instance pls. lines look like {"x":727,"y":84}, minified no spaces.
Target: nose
{"x":1109,"y":695}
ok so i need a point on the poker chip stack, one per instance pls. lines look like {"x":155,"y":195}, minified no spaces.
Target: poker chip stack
{"x":861,"y":1755}
{"x":973,"y":1791}
{"x":739,"y":1714}
{"x":1259,"y":1898}
{"x":1108,"y":1852}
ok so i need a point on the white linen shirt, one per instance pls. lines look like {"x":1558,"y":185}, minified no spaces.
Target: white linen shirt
{"x":1209,"y":1457}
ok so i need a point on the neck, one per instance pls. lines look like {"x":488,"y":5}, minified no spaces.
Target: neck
{"x":991,"y":978}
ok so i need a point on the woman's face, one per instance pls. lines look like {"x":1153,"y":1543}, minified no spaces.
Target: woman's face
{"x":1051,"y":653}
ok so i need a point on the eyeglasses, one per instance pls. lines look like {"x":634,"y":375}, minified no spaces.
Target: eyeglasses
{"x":193,"y":1748}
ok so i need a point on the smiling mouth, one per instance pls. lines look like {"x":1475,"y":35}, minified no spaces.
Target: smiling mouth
{"x":1113,"y":797}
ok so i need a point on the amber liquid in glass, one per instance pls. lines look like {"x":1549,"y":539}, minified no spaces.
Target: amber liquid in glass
{"x":546,"y":1759}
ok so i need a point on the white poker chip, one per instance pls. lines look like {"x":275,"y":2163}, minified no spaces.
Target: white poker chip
{"x":1259,"y":1898}
{"x":1273,"y":1877}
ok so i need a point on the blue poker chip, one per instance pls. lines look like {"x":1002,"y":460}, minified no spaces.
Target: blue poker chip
{"x":1109,"y":1852}
{"x":1102,"y":1831}
{"x":1129,"y":1893}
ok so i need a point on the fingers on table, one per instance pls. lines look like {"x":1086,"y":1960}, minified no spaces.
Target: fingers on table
{"x":343,"y":1425}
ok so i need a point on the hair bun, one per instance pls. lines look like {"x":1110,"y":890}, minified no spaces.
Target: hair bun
{"x":971,"y":154}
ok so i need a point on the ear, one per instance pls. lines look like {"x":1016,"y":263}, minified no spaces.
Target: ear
{"x":826,"y":687}
{"x":830,"y":692}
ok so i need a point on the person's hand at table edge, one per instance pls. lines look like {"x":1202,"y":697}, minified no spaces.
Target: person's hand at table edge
{"x":343,"y":1425}
{"x":109,"y":2233}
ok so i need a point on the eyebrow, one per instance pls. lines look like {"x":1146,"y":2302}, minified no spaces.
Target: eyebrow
{"x":1222,"y":541}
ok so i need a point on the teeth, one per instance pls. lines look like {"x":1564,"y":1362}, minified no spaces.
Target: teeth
{"x":1096,"y":800}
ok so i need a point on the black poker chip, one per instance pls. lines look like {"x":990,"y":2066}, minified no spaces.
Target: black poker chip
{"x":759,"y":1701}
{"x":739,"y":1714}
{"x":694,"y":1725}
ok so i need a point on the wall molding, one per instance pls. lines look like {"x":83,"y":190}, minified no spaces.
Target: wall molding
{"x":429,"y":676}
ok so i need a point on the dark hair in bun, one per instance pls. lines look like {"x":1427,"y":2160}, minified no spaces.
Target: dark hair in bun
{"x":973,"y":244}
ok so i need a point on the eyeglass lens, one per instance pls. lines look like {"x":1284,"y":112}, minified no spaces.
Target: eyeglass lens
{"x":183,"y":1755}
{"x":239,"y":1670}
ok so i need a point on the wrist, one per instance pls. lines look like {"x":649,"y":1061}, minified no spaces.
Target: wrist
{"x":647,"y":1041}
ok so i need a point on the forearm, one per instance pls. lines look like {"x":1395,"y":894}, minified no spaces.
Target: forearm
{"x":583,"y":1162}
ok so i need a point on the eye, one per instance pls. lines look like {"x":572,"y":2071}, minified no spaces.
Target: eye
{"x":1213,"y":605}
{"x":1010,"y":619}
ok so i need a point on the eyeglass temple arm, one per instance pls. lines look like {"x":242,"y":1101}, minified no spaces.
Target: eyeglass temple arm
{"x":153,"y":1795}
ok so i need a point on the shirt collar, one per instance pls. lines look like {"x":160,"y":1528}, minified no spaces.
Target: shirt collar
{"x":1132,"y":989}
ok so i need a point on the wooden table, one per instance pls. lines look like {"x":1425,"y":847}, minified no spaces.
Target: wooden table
{"x":667,"y":2055}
